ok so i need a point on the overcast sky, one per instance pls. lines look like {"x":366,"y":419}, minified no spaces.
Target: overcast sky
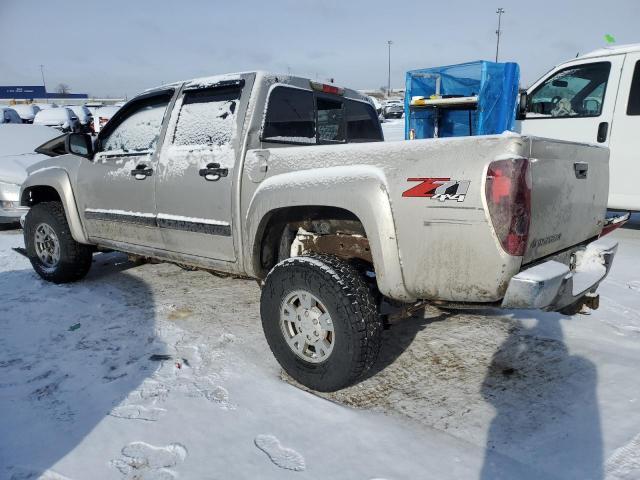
{"x":120,"y":47}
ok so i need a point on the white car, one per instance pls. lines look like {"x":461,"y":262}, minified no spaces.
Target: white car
{"x":26,"y":111}
{"x":9,"y":115}
{"x":17,"y":145}
{"x":45,"y":106}
{"x":61,"y":118}
{"x":85,"y":117}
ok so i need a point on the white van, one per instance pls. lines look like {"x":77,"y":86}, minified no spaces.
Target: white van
{"x":594,"y":98}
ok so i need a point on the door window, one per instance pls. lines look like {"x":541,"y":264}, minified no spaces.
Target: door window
{"x":290,"y":117}
{"x":572,"y":92}
{"x":207,"y":117}
{"x":633,"y":108}
{"x":138,"y":129}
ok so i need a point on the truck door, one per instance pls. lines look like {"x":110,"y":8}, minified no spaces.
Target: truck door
{"x":194,"y":186}
{"x":575,"y":102}
{"x":115,"y":190}
{"x":624,"y":163}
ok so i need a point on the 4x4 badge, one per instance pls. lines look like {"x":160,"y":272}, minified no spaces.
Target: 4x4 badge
{"x":440,"y":189}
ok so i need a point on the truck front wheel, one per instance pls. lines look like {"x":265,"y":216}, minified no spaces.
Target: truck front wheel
{"x":53,"y":252}
{"x":321,"y":321}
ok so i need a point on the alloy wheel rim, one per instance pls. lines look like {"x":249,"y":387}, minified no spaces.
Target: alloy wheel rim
{"x":307,"y":326}
{"x":47,"y":245}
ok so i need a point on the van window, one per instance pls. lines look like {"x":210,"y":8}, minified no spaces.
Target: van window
{"x":290,"y":116}
{"x":207,"y":117}
{"x":574,"y":92}
{"x":362,"y":122}
{"x":634,"y":94}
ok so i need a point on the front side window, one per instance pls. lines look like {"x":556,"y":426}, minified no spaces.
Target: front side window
{"x":330,"y":120}
{"x":290,"y":116}
{"x":138,"y":130}
{"x":633,"y":108}
{"x":207,"y":117}
{"x":572,"y":92}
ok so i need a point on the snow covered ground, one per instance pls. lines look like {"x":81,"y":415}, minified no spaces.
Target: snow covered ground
{"x":153,"y":372}
{"x":393,"y":129}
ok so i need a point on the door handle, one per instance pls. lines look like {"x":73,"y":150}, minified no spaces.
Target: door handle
{"x":213,"y":172}
{"x":603,"y":129}
{"x":141,"y":172}
{"x":581,"y":169}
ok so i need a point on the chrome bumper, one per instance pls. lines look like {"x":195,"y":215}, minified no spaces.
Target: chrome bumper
{"x":553,"y":285}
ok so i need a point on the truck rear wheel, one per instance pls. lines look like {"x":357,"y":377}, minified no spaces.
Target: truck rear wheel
{"x":321,"y":321}
{"x":53,"y":252}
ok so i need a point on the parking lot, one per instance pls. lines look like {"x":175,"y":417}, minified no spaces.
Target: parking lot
{"x":151,"y":370}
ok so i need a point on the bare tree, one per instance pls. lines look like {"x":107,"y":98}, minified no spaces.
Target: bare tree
{"x":63,"y":88}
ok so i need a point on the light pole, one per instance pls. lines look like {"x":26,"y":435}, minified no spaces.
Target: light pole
{"x":389,"y":43}
{"x":43,"y":83}
{"x":499,"y":11}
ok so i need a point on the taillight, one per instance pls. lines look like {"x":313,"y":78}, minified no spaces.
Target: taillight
{"x":508,"y":193}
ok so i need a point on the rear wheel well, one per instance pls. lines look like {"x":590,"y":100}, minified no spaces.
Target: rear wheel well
{"x":38,"y":194}
{"x":329,"y":230}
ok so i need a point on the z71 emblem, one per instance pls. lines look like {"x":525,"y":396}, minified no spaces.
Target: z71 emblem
{"x":440,"y":189}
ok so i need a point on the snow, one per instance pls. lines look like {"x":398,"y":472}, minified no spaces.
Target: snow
{"x":137,"y":133}
{"x":168,"y":376}
{"x":393,"y":130}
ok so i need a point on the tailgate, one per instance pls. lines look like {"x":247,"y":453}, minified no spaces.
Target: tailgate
{"x":570,"y":186}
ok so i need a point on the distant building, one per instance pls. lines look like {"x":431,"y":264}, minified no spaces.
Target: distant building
{"x":33,"y":92}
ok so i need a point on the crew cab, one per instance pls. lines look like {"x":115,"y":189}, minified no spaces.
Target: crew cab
{"x":287,"y":181}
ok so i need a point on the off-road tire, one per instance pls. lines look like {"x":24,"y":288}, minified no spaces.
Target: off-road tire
{"x":75,"y":258}
{"x":353,"y":309}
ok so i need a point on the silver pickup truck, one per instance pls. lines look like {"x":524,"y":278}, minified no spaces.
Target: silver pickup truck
{"x":286,"y":180}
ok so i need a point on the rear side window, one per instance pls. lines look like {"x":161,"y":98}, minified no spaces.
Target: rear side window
{"x":207,"y":117}
{"x":633,"y":108}
{"x":362,"y":122}
{"x":290,"y":116}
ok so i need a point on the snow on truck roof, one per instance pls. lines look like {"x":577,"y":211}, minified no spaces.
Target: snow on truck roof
{"x":612,"y":50}
{"x":203,"y":82}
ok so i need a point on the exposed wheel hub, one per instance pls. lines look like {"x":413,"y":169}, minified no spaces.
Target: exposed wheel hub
{"x":307,"y":326}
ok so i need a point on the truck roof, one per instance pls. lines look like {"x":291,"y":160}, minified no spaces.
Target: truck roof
{"x":267,"y":77}
{"x":612,"y":50}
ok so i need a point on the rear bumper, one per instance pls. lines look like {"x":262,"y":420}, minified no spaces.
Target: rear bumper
{"x":553,"y":285}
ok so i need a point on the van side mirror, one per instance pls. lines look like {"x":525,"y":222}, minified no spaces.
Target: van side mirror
{"x":522,"y":105}
{"x":79,"y":144}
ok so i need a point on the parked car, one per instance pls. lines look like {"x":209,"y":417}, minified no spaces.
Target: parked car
{"x":103,"y":115}
{"x":393,"y":109}
{"x":61,"y":118}
{"x":594,"y":98}
{"x":288,"y":181}
{"x":17,"y":152}
{"x":9,"y":115}
{"x":46,"y":106}
{"x":85,"y":117}
{"x":26,"y":111}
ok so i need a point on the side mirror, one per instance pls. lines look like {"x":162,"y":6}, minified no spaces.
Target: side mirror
{"x":522,"y":105}
{"x":79,"y":144}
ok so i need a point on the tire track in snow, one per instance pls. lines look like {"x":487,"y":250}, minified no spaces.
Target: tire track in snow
{"x":624,"y":463}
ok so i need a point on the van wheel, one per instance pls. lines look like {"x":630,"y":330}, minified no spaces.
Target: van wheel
{"x":321,"y":321}
{"x":53,"y":252}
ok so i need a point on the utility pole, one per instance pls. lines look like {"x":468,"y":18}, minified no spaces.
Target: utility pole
{"x":499,"y":11}
{"x":389,"y":43}
{"x":43,"y":82}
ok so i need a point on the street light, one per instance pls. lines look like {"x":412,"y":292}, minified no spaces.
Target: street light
{"x":499,"y":11}
{"x":389,"y":43}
